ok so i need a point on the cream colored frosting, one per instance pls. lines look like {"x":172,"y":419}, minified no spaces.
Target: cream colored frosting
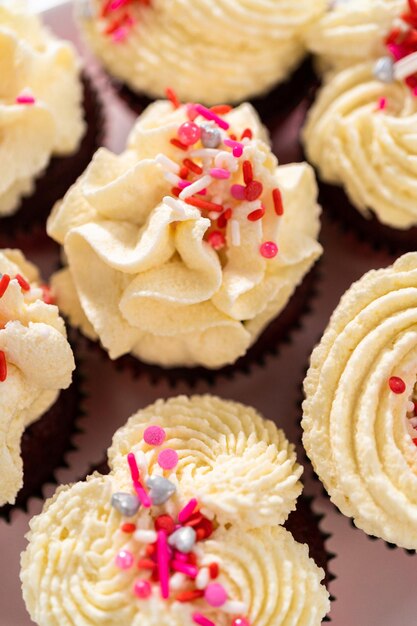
{"x":33,"y":61}
{"x":69,"y":575}
{"x":355,"y":427}
{"x":39,"y":363}
{"x":224,"y":52}
{"x":160,"y":291}
{"x":372,"y":153}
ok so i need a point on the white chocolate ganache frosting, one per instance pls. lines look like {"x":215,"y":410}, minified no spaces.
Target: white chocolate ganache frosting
{"x":360,"y":133}
{"x":141,"y":546}
{"x":360,"y":409}
{"x":36,"y":361}
{"x":182,"y":253}
{"x":226,"y":50}
{"x":41,"y":113}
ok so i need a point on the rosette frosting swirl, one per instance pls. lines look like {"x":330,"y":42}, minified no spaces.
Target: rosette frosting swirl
{"x":36,"y":361}
{"x":70,"y":575}
{"x":223,"y":51}
{"x":358,"y":390}
{"x":158,"y":276}
{"x":40,"y":102}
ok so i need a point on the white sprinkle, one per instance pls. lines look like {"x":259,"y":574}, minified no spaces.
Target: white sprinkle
{"x":195,"y":187}
{"x":213,"y":215}
{"x":235,"y":232}
{"x":172,"y":178}
{"x":234,"y":607}
{"x":145,"y":536}
{"x":167,"y":163}
{"x":203,"y":578}
{"x":405,"y":67}
{"x":178,"y":581}
{"x":178,"y":207}
{"x":226,"y":159}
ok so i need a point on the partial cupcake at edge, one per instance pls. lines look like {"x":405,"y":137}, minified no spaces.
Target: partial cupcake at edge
{"x":221,"y":51}
{"x":38,"y":408}
{"x":360,"y":133}
{"x":184,"y":248}
{"x":50,"y":118}
{"x":360,"y":410}
{"x":182,"y":531}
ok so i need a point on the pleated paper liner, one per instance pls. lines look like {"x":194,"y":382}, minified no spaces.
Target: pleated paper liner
{"x":29,"y":220}
{"x":45,"y":444}
{"x":277,"y":333}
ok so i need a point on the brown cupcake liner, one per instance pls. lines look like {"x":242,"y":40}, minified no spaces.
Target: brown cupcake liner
{"x":28,"y":223}
{"x":46,"y":442}
{"x":278,"y":332}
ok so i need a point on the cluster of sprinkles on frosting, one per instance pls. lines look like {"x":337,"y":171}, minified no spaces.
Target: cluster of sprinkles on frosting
{"x":117,"y":19}
{"x":213,"y":156}
{"x":401,"y":43}
{"x":169,"y":552}
{"x":5,"y":281}
{"x":398,"y":386}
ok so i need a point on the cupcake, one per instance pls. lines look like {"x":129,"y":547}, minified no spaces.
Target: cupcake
{"x":184,"y":530}
{"x":181,"y":250}
{"x":45,"y":142}
{"x":227,"y":51}
{"x":36,"y":363}
{"x":359,"y":416}
{"x":360,"y":132}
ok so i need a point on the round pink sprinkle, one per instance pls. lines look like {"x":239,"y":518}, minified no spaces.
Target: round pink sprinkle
{"x":215,"y":594}
{"x":168,"y":459}
{"x":154,"y":435}
{"x":124,"y":559}
{"x":142,"y":589}
{"x":269,"y":249}
{"x":238,"y":192}
{"x":240,"y":621}
{"x":189,"y":133}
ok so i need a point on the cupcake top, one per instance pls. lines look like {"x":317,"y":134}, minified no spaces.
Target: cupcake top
{"x":36,"y":361}
{"x":195,"y":237}
{"x":40,"y":102}
{"x":223,"y":51}
{"x":360,"y":413}
{"x":360,"y":132}
{"x":154,"y":543}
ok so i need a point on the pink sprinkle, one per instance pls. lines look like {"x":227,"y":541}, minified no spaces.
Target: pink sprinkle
{"x":185,"y":513}
{"x":163,"y":563}
{"x":168,"y":459}
{"x":240,"y":621}
{"x":238,"y":192}
{"x":116,"y":4}
{"x":382,"y":103}
{"x":133,"y":466}
{"x":219,"y":172}
{"x":397,"y":51}
{"x":215,"y":594}
{"x":189,"y":133}
{"x":180,"y":556}
{"x":191,"y":112}
{"x":140,"y":490}
{"x":182,"y":184}
{"x":236,"y":145}
{"x":25,"y":99}
{"x":120,"y":34}
{"x":415,"y":92}
{"x":185,"y":568}
{"x":269,"y":249}
{"x":124,"y":559}
{"x":201,"y":620}
{"x":237,"y":151}
{"x":154,"y":435}
{"x":142,"y":589}
{"x":209,"y":115}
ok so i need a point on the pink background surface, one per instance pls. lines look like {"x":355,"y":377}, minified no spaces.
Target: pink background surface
{"x":375,"y":586}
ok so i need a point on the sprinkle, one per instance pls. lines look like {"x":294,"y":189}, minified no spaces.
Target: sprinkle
{"x":205,"y":205}
{"x":178,"y":581}
{"x":25,"y":98}
{"x":145,"y":536}
{"x":220,"y":173}
{"x":167,"y":163}
{"x":187,"y":511}
{"x":405,"y":67}
{"x":247,"y":172}
{"x":175,"y":191}
{"x":124,"y":559}
{"x":4,"y":283}
{"x":146,"y":564}
{"x":194,"y":519}
{"x":24,"y":285}
{"x":126,"y":504}
{"x":175,"y":205}
{"x":189,"y":570}
{"x":253,"y":190}
{"x":234,"y":607}
{"x":182,"y":184}
{"x":163,"y":563}
{"x":238,"y":192}
{"x":172,"y":97}
{"x":236,"y":145}
{"x":215,"y":594}
{"x":3,"y":367}
{"x":214,"y":570}
{"x":142,"y":589}
{"x":161,"y":489}
{"x":177,"y":143}
{"x":277,"y":199}
{"x":193,"y":167}
{"x":209,"y":115}
{"x":203,"y":578}
{"x":224,"y":218}
{"x":47,"y":296}
{"x":128,"y":528}
{"x":269,"y":249}
{"x":189,"y":596}
{"x":168,"y":459}
{"x":154,"y":435}
{"x":172,"y":178}
{"x":415,"y":441}
{"x":225,"y":159}
{"x":235,"y":232}
{"x":240,"y":621}
{"x":166,"y":523}
{"x":205,"y":153}
{"x":191,"y":112}
{"x":257,"y":214}
{"x":382,"y":104}
{"x":204,"y":529}
{"x":183,"y":539}
{"x":139,"y":488}
{"x":195,"y":187}
{"x":247,"y":134}
{"x":201,"y":620}
{"x":210,"y":135}
{"x":216,"y":239}
{"x":221,"y":109}
{"x":189,"y":133}
{"x":396,"y":384}
{"x":237,"y":151}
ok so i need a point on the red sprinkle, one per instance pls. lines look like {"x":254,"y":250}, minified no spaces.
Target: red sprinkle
{"x":24,"y":285}
{"x":4,"y":283}
{"x":224,"y":218}
{"x":194,"y":520}
{"x":3,"y":367}
{"x":396,"y":384}
{"x":128,"y":528}
{"x":216,"y":239}
{"x":184,"y":171}
{"x":247,"y":133}
{"x":415,"y":441}
{"x":165,"y":522}
{"x":189,"y":596}
{"x":150,"y":549}
{"x":277,"y":198}
{"x":192,"y":558}
{"x":257,"y":214}
{"x":204,"y":205}
{"x":47,"y":296}
{"x":178,"y":144}
{"x":146,"y":564}
{"x":176,"y":191}
{"x":173,"y":98}
{"x":193,"y":167}
{"x":204,"y":529}
{"x":247,"y":172}
{"x":253,"y":190}
{"x":221,"y":109}
{"x":214,"y":570}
